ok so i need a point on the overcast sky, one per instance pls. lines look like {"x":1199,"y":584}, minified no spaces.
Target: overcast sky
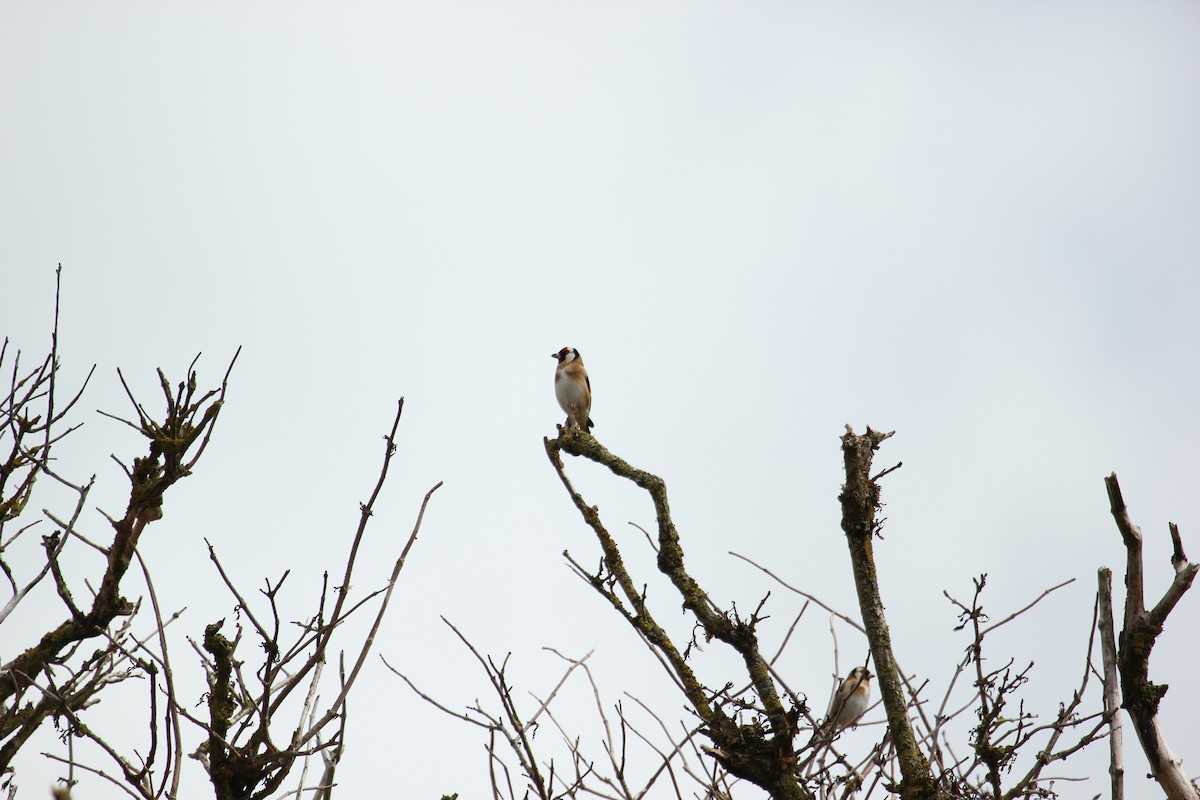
{"x":976,"y":224}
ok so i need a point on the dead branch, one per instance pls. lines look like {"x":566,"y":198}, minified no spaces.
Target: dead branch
{"x":860,"y":501}
{"x":1112,"y":688}
{"x":1140,"y":632}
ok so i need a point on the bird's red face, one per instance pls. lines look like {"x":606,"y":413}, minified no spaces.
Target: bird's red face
{"x":566,"y":355}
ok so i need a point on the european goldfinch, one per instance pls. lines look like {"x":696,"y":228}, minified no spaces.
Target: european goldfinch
{"x":850,"y":701}
{"x":846,"y":707}
{"x":572,"y":388}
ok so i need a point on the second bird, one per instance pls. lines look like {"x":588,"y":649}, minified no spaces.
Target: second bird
{"x":572,"y":388}
{"x":850,"y":701}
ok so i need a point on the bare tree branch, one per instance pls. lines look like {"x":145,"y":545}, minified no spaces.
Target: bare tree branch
{"x":860,"y":501}
{"x":1141,"y":630}
{"x":1112,"y":689}
{"x":761,"y":753}
{"x":240,"y":752}
{"x":174,"y":443}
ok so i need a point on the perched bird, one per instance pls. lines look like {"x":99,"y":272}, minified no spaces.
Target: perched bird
{"x":850,"y":701}
{"x":572,"y":388}
{"x":846,"y":707}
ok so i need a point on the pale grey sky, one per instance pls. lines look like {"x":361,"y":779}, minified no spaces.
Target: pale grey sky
{"x":976,"y":224}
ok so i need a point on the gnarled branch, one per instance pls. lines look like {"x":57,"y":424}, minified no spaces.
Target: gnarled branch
{"x":1142,"y":627}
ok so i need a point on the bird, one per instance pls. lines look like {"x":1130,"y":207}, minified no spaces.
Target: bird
{"x":850,"y":701}
{"x":846,"y":707}
{"x":572,"y":388}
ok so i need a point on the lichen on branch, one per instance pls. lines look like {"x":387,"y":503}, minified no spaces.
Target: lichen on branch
{"x":860,"y":504}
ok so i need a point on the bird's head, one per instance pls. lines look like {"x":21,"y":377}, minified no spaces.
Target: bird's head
{"x":859,"y":675}
{"x":567,"y":355}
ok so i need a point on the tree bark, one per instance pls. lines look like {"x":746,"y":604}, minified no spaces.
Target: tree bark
{"x":860,"y":501}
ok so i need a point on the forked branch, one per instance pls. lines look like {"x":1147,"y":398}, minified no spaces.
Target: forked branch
{"x":762,"y":752}
{"x":1141,"y":630}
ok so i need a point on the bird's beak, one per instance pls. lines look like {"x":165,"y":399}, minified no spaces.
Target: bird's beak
{"x":554,"y":355}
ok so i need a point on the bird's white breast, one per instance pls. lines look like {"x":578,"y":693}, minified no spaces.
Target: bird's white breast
{"x":568,"y":391}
